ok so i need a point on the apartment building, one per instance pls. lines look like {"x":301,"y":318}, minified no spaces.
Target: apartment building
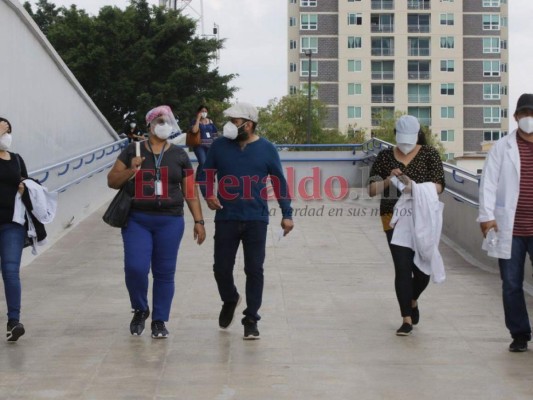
{"x":443,"y":61}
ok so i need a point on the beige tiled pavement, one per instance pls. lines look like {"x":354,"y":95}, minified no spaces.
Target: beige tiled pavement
{"x":329,"y":316}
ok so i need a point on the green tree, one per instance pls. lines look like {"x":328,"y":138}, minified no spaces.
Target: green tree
{"x":131,"y":60}
{"x":284,"y":121}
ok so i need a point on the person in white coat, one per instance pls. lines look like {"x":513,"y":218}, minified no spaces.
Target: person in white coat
{"x":506,"y":216}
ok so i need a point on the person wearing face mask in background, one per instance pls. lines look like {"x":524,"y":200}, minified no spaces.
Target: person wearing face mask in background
{"x":12,"y":235}
{"x":506,"y":211}
{"x":133,"y":132}
{"x":208,"y":132}
{"x":163,"y":179}
{"x":243,"y":162}
{"x":410,"y":159}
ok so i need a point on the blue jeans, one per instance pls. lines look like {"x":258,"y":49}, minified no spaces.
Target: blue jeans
{"x":11,"y":244}
{"x":151,"y":240}
{"x":228,"y":235}
{"x":201,"y":155}
{"x":512,"y":274}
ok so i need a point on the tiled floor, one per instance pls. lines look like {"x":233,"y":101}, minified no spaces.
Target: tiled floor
{"x":329,"y":317}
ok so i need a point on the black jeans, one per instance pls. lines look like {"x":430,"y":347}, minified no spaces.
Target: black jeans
{"x":228,"y":235}
{"x":409,"y":281}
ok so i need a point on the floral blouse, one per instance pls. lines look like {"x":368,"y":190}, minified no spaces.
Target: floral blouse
{"x":426,"y":166}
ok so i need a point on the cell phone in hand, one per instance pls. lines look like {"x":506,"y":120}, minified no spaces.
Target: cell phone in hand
{"x":396,"y":182}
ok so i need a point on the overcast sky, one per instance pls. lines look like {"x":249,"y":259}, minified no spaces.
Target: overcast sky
{"x":256,"y":44}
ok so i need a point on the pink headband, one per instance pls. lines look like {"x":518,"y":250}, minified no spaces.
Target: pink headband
{"x":156,"y":112}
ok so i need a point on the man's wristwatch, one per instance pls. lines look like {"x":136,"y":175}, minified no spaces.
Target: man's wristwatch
{"x":201,"y":222}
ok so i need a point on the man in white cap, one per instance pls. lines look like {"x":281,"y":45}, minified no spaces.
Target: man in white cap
{"x":243,"y":163}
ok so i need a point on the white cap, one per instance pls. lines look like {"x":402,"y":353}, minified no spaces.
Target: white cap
{"x":407,"y":128}
{"x":242,"y":110}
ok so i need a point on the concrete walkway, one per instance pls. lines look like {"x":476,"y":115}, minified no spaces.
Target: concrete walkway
{"x":329,"y":318}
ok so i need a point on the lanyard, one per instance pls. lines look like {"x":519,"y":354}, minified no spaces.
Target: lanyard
{"x":157,"y":161}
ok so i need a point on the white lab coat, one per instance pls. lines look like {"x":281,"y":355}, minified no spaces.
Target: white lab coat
{"x":417,"y":223}
{"x":498,"y":193}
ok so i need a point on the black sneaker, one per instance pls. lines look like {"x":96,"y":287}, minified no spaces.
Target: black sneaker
{"x":250,"y":329}
{"x":137,"y":322}
{"x":415,"y":315}
{"x":225,"y":317}
{"x":405,"y":329}
{"x":518,"y":346}
{"x":14,"y":330}
{"x":159,"y":330}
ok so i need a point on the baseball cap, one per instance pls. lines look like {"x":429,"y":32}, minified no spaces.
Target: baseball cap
{"x":407,"y":128}
{"x":525,"y":102}
{"x":242,"y":110}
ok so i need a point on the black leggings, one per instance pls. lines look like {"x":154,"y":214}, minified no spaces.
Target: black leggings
{"x":409,"y":281}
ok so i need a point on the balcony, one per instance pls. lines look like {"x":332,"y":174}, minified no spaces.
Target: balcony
{"x":382,"y":5}
{"x":382,"y":28}
{"x":381,"y":52}
{"x":382,"y":98}
{"x":412,"y":98}
{"x":419,"y":52}
{"x":418,"y":28}
{"x":382,"y":75}
{"x":419,"y":5}
{"x":419,"y":75}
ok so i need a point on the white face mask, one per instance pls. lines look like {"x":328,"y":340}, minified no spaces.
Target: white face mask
{"x":526,"y":125}
{"x":5,"y":141}
{"x":204,"y":114}
{"x":163,"y":131}
{"x":230,"y":131}
{"x":405,"y":148}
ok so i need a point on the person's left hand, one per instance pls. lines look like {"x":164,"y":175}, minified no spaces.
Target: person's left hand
{"x":287,"y":225}
{"x":199,"y":233}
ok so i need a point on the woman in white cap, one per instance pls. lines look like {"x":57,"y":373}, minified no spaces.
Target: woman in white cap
{"x":164,"y":180}
{"x":411,"y":158}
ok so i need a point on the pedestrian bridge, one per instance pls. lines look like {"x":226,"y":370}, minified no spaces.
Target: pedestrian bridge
{"x":329,"y":312}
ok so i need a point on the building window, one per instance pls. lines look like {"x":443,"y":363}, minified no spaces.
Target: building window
{"x":419,"y":4}
{"x":491,"y":115}
{"x":446,"y":19}
{"x":305,"y":91}
{"x":418,"y":69}
{"x":492,"y":136}
{"x":447,"y":89}
{"x":503,"y":67}
{"x":304,"y":68}
{"x":382,"y":46}
{"x":292,"y":89}
{"x":491,"y":45}
{"x":447,"y":65}
{"x":309,"y":43}
{"x":292,"y":1}
{"x":422,"y":113}
{"x":308,"y":3}
{"x":292,"y":44}
{"x":383,"y":93}
{"x":447,"y":42}
{"x":419,"y":46}
{"x":491,"y":91}
{"x":382,"y":23}
{"x":382,"y":69}
{"x":449,"y":156}
{"x":447,"y":112}
{"x":447,"y":135}
{"x":354,"y":112}
{"x":354,"y":65}
{"x":504,"y":22}
{"x":419,"y":93}
{"x":491,"y":3}
{"x":354,"y":89}
{"x":292,"y":21}
{"x":491,"y":68}
{"x":354,"y":42}
{"x":491,"y":22}
{"x":355,"y":19}
{"x":503,"y":90}
{"x":309,"y":22}
{"x":418,"y":23}
{"x":292,"y":67}
{"x":381,"y":114}
{"x":382,"y":4}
